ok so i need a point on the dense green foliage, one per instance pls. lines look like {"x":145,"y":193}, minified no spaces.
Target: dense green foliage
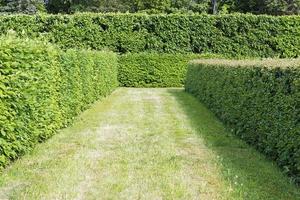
{"x":259,"y":100}
{"x":152,"y":6}
{"x":273,"y":7}
{"x":155,"y":70}
{"x":232,"y":35}
{"x":42,"y":88}
{"x":22,"y":6}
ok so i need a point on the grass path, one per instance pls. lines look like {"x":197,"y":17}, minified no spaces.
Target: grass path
{"x":145,"y":144}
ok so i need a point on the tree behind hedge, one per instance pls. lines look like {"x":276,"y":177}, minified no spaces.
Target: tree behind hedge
{"x":21,"y":6}
{"x":273,"y":7}
{"x":157,"y":6}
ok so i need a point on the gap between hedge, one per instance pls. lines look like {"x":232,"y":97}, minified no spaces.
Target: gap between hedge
{"x":145,"y":144}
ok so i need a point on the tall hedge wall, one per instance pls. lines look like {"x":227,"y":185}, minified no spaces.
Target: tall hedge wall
{"x":233,"y":35}
{"x":154,"y":69}
{"x":260,"y":100}
{"x":42,"y":88}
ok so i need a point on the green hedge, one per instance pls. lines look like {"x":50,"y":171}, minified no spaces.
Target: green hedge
{"x":232,"y":35}
{"x":42,"y":88}
{"x":258,"y":99}
{"x":155,"y":70}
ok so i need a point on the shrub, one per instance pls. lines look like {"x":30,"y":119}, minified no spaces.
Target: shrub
{"x":231,"y":35}
{"x":42,"y":88}
{"x":155,"y":70}
{"x":258,"y":99}
{"x":85,"y":77}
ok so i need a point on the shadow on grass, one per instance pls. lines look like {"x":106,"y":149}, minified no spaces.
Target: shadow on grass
{"x":250,"y":174}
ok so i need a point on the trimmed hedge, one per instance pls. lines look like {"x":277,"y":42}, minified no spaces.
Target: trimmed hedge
{"x":260,"y":100}
{"x":155,"y":70}
{"x":230,"y":35}
{"x":42,"y":88}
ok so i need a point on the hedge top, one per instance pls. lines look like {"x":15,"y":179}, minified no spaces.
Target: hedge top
{"x":269,"y":63}
{"x":150,"y":15}
{"x":239,"y":35}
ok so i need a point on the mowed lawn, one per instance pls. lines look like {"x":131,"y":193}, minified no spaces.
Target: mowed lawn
{"x":145,"y":144}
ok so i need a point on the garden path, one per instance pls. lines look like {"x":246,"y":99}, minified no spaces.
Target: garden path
{"x":145,"y":144}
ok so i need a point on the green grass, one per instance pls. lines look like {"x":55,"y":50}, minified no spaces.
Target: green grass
{"x":145,"y":144}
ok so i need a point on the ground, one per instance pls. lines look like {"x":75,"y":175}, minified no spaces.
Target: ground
{"x":145,"y":144}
